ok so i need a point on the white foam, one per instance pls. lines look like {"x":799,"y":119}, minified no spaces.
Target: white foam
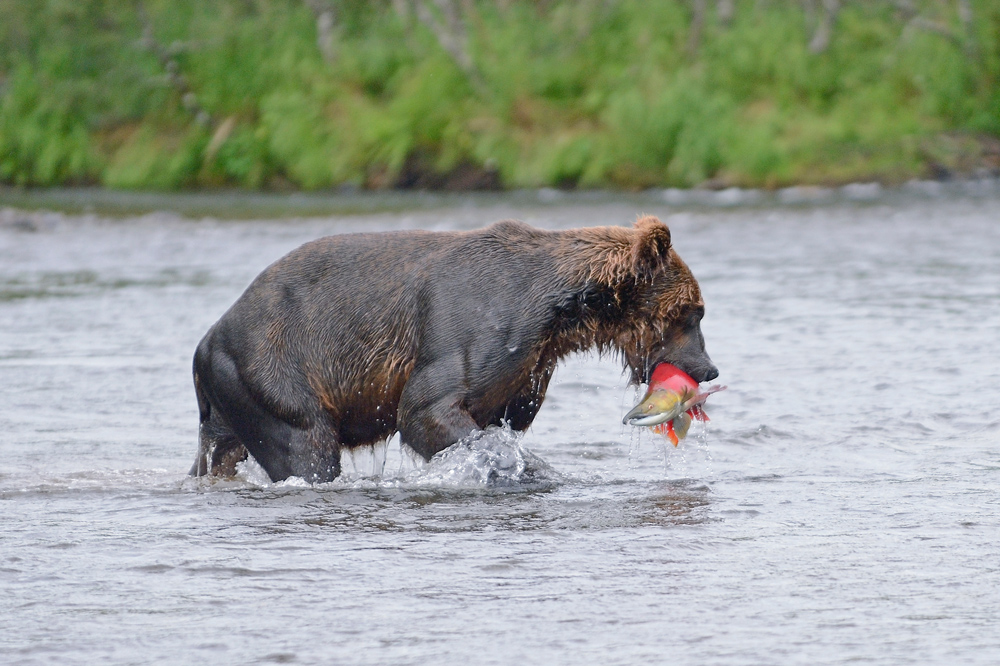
{"x":492,"y":458}
{"x":250,"y":471}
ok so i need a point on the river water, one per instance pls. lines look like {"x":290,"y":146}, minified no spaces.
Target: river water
{"x":842,"y":506}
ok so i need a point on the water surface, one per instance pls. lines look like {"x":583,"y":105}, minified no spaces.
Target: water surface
{"x":841,"y":507}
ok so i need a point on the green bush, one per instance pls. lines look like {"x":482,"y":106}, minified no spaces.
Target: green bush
{"x":172,"y":94}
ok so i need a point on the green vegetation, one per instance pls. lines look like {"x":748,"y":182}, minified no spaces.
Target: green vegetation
{"x":312,"y":94}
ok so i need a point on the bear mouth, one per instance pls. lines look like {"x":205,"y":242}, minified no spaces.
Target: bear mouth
{"x":642,"y":374}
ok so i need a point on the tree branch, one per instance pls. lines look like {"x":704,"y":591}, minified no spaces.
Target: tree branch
{"x":914,"y":20}
{"x":326,"y":18}
{"x":177,"y":81}
{"x":824,"y":27}
{"x":697,"y":25}
{"x":724,"y":11}
{"x":450,"y":31}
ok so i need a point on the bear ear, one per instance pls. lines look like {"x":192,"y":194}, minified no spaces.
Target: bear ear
{"x":651,"y":247}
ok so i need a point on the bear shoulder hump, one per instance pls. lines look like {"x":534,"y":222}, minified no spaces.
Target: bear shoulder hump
{"x":512,"y":229}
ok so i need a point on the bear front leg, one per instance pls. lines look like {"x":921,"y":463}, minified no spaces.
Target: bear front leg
{"x":429,"y":419}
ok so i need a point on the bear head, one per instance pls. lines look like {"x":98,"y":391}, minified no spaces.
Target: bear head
{"x":663,"y":324}
{"x":642,"y":300}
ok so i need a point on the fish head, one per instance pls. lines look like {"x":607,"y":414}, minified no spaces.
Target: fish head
{"x":658,"y":406}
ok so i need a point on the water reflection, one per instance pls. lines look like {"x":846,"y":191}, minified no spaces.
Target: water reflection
{"x":573,"y":506}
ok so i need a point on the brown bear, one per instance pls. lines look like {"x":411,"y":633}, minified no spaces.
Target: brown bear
{"x":352,"y":338}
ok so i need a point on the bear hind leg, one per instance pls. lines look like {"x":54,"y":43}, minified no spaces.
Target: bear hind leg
{"x":284,"y":450}
{"x":233,"y":418}
{"x":219,"y":449}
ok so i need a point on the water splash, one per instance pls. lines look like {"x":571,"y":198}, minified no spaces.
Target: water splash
{"x":250,"y":471}
{"x":364,"y":460}
{"x":492,"y":458}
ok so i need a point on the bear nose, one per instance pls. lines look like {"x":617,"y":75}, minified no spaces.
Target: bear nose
{"x":712,"y":373}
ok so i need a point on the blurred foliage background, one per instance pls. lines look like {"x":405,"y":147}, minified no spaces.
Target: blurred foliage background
{"x":470,"y":94}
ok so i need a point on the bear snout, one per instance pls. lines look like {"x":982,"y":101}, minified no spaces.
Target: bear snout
{"x":700,"y":372}
{"x":710,"y":373}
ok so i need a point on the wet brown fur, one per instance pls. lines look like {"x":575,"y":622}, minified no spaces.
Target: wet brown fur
{"x":624,"y":260}
{"x":613,"y":289}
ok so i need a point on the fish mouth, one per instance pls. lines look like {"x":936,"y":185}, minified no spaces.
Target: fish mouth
{"x":639,"y":420}
{"x":643,"y":414}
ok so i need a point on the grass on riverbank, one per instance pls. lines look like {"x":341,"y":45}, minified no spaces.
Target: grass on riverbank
{"x":169,"y":94}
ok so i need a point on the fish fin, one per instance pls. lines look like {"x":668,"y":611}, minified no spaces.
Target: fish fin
{"x":674,"y":439}
{"x":681,"y":425}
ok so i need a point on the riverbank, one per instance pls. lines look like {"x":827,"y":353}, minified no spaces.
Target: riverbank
{"x":461,"y":95}
{"x":36,"y":208}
